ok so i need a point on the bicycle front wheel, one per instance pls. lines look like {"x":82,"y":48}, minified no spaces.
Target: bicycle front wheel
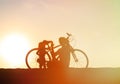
{"x":82,"y":57}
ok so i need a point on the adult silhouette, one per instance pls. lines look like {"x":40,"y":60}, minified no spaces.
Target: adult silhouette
{"x":63,"y":53}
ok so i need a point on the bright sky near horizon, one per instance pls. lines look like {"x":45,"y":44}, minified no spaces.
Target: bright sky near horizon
{"x":95,"y":25}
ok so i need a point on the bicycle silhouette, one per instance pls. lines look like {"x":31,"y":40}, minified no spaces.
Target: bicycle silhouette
{"x":83,"y":61}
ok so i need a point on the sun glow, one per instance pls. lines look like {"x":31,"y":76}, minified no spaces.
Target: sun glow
{"x":13,"y":49}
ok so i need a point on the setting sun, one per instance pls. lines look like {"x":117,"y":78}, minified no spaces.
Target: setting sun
{"x":13,"y":49}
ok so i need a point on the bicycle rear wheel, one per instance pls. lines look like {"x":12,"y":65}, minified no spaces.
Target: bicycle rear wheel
{"x":31,"y":58}
{"x":83,"y":60}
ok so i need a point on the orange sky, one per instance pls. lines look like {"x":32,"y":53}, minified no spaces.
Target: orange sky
{"x":94,"y":24}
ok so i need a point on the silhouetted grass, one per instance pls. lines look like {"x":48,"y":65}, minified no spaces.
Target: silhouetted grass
{"x":60,"y":76}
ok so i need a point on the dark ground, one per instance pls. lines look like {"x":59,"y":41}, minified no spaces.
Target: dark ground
{"x":60,"y":76}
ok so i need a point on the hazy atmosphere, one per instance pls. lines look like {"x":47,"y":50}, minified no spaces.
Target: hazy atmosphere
{"x":95,"y":25}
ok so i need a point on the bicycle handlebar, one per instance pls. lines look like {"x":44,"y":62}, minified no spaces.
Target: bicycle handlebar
{"x":68,"y":35}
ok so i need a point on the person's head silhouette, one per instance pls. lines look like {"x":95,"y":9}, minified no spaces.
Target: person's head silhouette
{"x":63,"y":41}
